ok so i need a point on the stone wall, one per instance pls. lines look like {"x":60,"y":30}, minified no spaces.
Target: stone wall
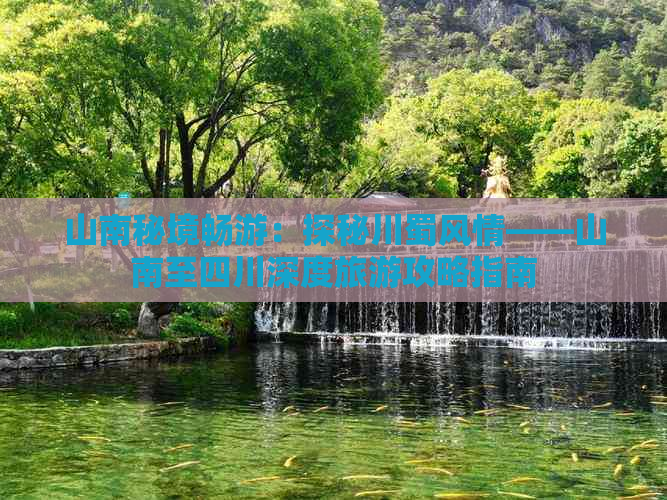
{"x":57,"y":357}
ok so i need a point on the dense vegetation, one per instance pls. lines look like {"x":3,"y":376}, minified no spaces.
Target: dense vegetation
{"x":273,"y":98}
{"x":48,"y":325}
{"x":544,"y":43}
{"x":290,"y":98}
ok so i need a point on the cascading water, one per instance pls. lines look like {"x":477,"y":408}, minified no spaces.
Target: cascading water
{"x":526,"y":320}
{"x":544,"y":320}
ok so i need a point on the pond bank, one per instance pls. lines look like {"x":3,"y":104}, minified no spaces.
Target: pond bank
{"x":59,"y":357}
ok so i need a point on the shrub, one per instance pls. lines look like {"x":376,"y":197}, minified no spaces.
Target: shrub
{"x":201,"y":309}
{"x":121,"y":319}
{"x":9,"y":323}
{"x":241,"y":316}
{"x":184,"y":326}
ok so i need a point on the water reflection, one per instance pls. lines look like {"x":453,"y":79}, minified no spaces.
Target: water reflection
{"x":346,"y":419}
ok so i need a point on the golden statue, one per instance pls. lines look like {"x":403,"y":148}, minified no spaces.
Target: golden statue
{"x":497,"y":182}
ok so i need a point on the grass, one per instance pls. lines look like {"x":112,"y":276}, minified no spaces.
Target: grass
{"x":65,"y":325}
{"x":73,"y":324}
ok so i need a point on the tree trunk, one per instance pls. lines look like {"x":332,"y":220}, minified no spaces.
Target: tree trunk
{"x":187,"y":161}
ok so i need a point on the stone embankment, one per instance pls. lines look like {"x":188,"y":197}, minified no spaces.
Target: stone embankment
{"x":58,"y":357}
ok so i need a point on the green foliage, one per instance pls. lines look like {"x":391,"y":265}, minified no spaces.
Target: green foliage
{"x":639,"y":150}
{"x":241,"y":316}
{"x":545,"y":44}
{"x":217,"y":319}
{"x":331,"y":56}
{"x":9,"y":322}
{"x":65,"y":324}
{"x":592,"y":148}
{"x":559,"y":175}
{"x":185,"y":326}
{"x":397,"y":157}
{"x":122,"y":319}
{"x":472,"y":115}
{"x":101,"y":95}
{"x":279,"y":98}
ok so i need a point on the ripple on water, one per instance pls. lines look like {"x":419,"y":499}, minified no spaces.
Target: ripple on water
{"x":326,"y":421}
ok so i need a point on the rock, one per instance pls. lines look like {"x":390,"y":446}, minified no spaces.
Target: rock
{"x":163,"y":322}
{"x":7,"y":364}
{"x":491,"y":15}
{"x":148,"y":325}
{"x":149,"y":317}
{"x":94,"y":355}
{"x":26,"y":362}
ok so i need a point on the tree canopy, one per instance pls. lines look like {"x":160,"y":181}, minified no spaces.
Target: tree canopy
{"x":181,"y":91}
{"x":289,"y":98}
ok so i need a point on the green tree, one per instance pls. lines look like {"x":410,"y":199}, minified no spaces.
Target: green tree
{"x":651,"y":49}
{"x":187,"y":88}
{"x":57,"y":128}
{"x":471,"y":115}
{"x":397,"y":157}
{"x":593,"y":148}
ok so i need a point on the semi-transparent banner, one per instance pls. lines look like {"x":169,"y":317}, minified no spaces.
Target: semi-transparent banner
{"x":333,"y":250}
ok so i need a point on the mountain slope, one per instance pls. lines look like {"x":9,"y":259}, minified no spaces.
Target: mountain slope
{"x":545,"y":43}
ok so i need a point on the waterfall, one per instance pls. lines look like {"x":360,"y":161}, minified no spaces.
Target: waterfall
{"x":632,"y":247}
{"x":534,"y":320}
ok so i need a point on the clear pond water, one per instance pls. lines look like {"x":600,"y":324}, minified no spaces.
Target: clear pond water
{"x":282,"y":421}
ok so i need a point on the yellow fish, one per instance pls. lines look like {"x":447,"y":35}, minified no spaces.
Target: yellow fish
{"x":437,"y":470}
{"x":516,"y":495}
{"x":463,"y":420}
{"x":635,"y":460}
{"x":260,"y":479}
{"x":288,"y":408}
{"x":651,"y":443}
{"x":289,"y":461}
{"x":321,"y":408}
{"x":421,"y":461}
{"x":599,"y":407}
{"x":626,"y":414}
{"x":519,"y":407}
{"x":661,"y":403}
{"x":179,"y":447}
{"x":380,"y":408}
{"x":376,"y":493}
{"x":524,"y":424}
{"x":180,"y":466}
{"x":363,"y":476}
{"x":523,"y":480}
{"x":575,"y":457}
{"x":618,"y":470}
